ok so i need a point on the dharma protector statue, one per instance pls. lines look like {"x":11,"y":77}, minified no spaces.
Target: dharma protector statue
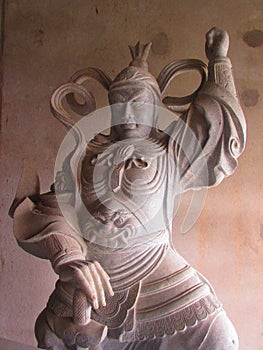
{"x":106,"y":223}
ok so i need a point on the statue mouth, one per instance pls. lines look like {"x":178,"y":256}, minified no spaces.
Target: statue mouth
{"x":129,"y":126}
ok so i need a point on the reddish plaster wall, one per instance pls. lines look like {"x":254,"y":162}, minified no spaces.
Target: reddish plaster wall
{"x":45,"y":42}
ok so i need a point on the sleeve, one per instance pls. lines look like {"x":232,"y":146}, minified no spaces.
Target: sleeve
{"x":206,"y":141}
{"x":41,"y":230}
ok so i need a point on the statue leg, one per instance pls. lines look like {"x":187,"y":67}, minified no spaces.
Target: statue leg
{"x":214,"y":333}
{"x":221,"y":335}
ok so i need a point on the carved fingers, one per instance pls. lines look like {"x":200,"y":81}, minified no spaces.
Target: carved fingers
{"x":89,"y":277}
{"x":217,"y":43}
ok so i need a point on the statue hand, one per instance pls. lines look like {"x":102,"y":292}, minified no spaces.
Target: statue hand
{"x":217,"y":43}
{"x":89,"y":277}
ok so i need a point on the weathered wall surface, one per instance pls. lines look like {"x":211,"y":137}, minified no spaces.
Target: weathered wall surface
{"x":45,"y":42}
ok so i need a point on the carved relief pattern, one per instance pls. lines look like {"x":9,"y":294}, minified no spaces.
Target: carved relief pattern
{"x":119,"y":255}
{"x":117,"y":308}
{"x":176,"y":322}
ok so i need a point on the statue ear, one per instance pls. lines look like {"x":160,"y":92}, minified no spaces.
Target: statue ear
{"x":174,"y":69}
{"x":64,"y":98}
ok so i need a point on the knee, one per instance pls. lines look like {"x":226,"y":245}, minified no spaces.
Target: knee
{"x":221,"y":335}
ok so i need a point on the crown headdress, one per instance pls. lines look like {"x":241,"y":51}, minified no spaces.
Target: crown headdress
{"x":140,"y":54}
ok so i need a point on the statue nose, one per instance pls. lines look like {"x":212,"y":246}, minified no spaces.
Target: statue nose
{"x":128,"y":116}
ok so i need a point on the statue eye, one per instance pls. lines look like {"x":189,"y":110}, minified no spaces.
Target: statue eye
{"x":116,"y":98}
{"x":137,"y":105}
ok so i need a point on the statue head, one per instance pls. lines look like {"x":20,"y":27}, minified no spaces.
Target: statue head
{"x":134,"y":96}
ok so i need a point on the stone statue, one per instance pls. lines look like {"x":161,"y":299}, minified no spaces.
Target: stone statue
{"x":106,"y":225}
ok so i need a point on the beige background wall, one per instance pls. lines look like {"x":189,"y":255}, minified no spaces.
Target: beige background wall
{"x":45,"y":41}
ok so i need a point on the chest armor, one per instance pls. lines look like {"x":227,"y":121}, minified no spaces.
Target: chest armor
{"x":123,"y":188}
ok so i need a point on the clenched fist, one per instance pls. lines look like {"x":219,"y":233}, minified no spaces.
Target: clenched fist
{"x":217,"y":43}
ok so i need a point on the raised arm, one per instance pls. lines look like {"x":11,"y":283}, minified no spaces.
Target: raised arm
{"x":210,"y":136}
{"x":219,"y":66}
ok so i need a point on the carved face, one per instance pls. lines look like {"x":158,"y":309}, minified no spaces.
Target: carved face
{"x":133,"y":112}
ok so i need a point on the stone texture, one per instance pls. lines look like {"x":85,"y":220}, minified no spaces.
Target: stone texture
{"x":6,"y":344}
{"x":77,"y":34}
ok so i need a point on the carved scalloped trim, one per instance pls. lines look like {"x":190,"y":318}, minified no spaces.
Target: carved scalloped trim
{"x":115,"y":312}
{"x":178,"y":321}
